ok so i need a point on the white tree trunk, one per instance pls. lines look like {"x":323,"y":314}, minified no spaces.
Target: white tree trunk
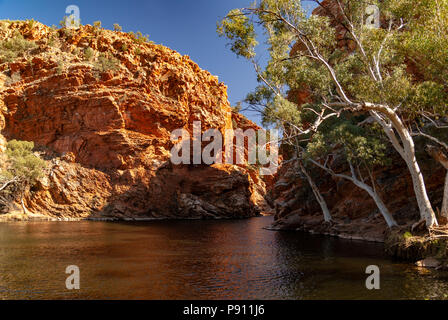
{"x":375,"y":196}
{"x":407,"y":152}
{"x":6,"y":184}
{"x":444,"y":211}
{"x":442,"y":158}
{"x":379,"y":203}
{"x":317,"y":194}
{"x":426,"y":210}
{"x":25,"y":211}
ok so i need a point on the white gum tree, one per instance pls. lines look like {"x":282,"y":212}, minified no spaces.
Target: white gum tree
{"x":396,"y":74}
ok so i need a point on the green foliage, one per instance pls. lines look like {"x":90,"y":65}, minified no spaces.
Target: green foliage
{"x":31,"y":23}
{"x":420,"y":45}
{"x":72,"y":22}
{"x":97,"y":24}
{"x":117,"y":27}
{"x":106,"y":63}
{"x":60,"y":67}
{"x":407,"y":235}
{"x":124,"y":47}
{"x":430,"y":96}
{"x":22,"y":163}
{"x":67,"y":32}
{"x":88,"y":54}
{"x":359,"y":144}
{"x":52,"y":40}
{"x":62,"y":23}
{"x":138,"y":37}
{"x":14,"y":47}
{"x":240,"y":31}
{"x":237,"y":108}
{"x":309,"y":74}
{"x":282,"y":110}
{"x":425,"y":40}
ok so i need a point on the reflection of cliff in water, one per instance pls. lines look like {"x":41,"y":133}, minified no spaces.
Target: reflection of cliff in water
{"x":226,"y":259}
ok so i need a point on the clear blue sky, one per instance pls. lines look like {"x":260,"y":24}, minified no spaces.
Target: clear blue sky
{"x":187,"y":26}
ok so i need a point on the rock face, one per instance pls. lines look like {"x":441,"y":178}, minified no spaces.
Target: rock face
{"x":100,"y":106}
{"x":354,"y":212}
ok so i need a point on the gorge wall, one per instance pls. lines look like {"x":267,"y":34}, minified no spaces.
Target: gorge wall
{"x":100,"y":107}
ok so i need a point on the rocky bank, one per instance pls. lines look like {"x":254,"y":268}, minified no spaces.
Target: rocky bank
{"x":100,"y":107}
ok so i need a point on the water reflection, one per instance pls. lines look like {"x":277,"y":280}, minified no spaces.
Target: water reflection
{"x":197,"y":260}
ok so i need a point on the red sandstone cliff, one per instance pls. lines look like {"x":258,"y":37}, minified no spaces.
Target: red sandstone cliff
{"x":106,"y":133}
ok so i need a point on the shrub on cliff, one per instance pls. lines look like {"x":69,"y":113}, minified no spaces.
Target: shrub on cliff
{"x":52,"y":40}
{"x":106,"y":63}
{"x":97,"y":24}
{"x":88,"y":54}
{"x":237,"y":108}
{"x":31,"y":23}
{"x":22,"y":162}
{"x":22,"y":169}
{"x":69,"y":21}
{"x":14,"y":78}
{"x":14,"y":47}
{"x":117,"y":27}
{"x":139,"y":38}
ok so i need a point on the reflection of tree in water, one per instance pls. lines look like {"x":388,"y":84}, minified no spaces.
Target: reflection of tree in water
{"x":317,"y":267}
{"x":199,"y":260}
{"x":420,"y":283}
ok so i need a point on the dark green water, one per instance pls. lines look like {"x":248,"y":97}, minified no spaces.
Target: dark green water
{"x":198,"y":260}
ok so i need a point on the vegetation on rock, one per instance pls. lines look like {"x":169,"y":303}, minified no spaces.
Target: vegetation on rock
{"x":20,"y":170}
{"x":332,"y":70}
{"x":14,"y":47}
{"x":106,"y":63}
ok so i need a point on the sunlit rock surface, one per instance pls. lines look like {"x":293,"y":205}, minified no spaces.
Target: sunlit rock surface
{"x":106,"y":134}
